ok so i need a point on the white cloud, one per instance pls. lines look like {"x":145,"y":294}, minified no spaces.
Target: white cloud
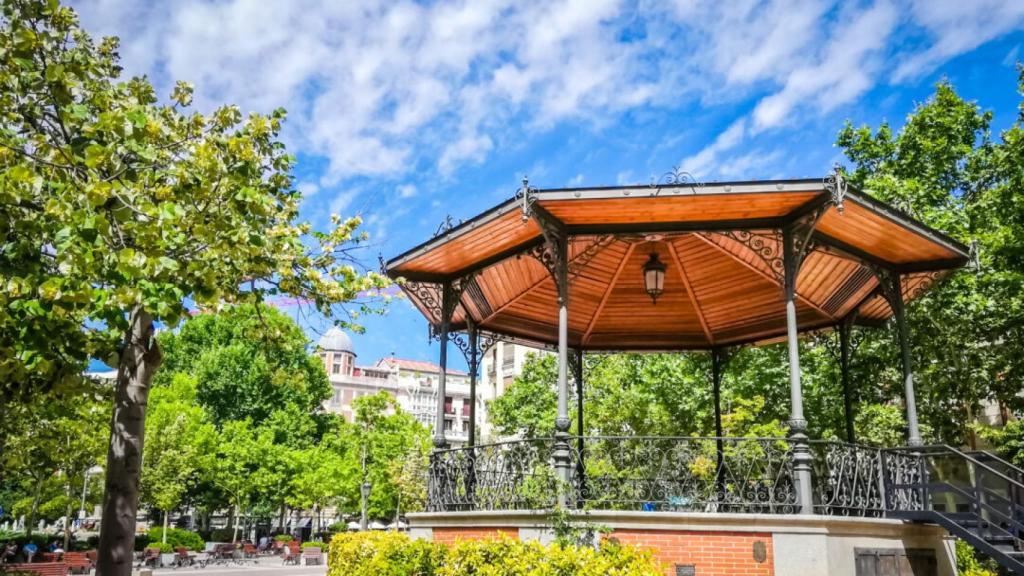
{"x":704,"y":162}
{"x":407,"y":191}
{"x":380,"y":88}
{"x":844,"y":70}
{"x":956,"y":27}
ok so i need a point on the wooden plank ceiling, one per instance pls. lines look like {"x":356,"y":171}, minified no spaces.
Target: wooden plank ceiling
{"x":722,"y":286}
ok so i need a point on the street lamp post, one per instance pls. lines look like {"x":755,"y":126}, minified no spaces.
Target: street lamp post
{"x":85,"y":487}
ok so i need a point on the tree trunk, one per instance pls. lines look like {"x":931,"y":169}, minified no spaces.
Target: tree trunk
{"x":138,"y":362}
{"x":234,"y":525}
{"x":35,"y":508}
{"x":167,"y":513}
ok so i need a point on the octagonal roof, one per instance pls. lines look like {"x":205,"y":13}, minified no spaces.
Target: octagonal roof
{"x":721,"y":243}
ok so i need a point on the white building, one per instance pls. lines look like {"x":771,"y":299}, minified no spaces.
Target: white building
{"x":412,"y":382}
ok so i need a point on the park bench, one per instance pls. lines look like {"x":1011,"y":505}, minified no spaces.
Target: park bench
{"x":289,"y":555}
{"x":313,"y":556}
{"x":40,"y":568}
{"x":78,"y":562}
{"x":150,"y":557}
{"x":249,"y":551}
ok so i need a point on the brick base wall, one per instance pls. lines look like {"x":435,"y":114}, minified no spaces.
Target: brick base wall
{"x":450,"y":535}
{"x":711,"y":553}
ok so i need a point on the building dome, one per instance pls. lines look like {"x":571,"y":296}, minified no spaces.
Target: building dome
{"x":335,"y":340}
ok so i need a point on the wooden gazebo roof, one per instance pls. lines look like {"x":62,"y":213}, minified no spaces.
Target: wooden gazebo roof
{"x":721,"y":244}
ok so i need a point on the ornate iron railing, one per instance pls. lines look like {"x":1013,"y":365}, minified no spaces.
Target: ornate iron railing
{"x":681,"y":474}
{"x":687,"y":474}
{"x":848,"y":479}
{"x":515,"y":475}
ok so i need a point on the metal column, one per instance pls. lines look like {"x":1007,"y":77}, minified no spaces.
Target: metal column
{"x":447,"y":307}
{"x":895,"y":298}
{"x":797,"y":423}
{"x":717,"y":362}
{"x":581,"y":476}
{"x":474,"y":364}
{"x":845,"y":328}
{"x":561,"y":453}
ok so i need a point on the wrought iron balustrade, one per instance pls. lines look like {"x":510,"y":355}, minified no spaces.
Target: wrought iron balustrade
{"x":514,"y":475}
{"x":724,"y":475}
{"x":848,"y":479}
{"x":683,"y":474}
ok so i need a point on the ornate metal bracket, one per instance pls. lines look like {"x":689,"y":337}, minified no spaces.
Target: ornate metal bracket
{"x":464,"y":343}
{"x":835,"y":184}
{"x":767,"y":247}
{"x":446,"y":308}
{"x":554,"y":252}
{"x":578,"y":264}
{"x":889,"y":285}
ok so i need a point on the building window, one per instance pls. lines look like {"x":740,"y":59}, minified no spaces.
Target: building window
{"x":448,"y":408}
{"x":336,"y":367}
{"x":447,"y":425}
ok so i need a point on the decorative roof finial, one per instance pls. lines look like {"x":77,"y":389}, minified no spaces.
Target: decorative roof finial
{"x":525,"y":196}
{"x":835,"y":184}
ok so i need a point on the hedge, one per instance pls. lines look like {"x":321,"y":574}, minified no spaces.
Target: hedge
{"x":177,"y":537}
{"x":374,"y":553}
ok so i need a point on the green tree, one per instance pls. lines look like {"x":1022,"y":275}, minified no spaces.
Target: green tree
{"x":181,"y":439}
{"x":944,"y":168}
{"x":249,"y":361}
{"x":126,"y":208}
{"x":383,"y":435}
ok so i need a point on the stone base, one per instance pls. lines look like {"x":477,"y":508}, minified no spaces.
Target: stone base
{"x":728,"y":544}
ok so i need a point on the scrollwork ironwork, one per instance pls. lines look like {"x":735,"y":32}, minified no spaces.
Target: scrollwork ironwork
{"x":578,"y":264}
{"x":755,"y":475}
{"x":847,"y":479}
{"x":676,"y":177}
{"x":766,"y":246}
{"x":446,"y":225}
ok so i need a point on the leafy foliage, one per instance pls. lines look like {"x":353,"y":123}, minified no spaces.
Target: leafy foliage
{"x":176,"y":538}
{"x":363,"y":554}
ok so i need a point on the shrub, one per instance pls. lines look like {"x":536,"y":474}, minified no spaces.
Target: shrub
{"x":283,"y":538}
{"x":177,"y":537}
{"x":164,"y":548}
{"x":314,"y":544}
{"x":372,"y":553}
{"x":968,"y":563}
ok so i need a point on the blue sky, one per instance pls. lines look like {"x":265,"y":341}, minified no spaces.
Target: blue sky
{"x":406,"y":112}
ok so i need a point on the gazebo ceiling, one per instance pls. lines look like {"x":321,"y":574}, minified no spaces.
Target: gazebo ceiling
{"x":721,"y":244}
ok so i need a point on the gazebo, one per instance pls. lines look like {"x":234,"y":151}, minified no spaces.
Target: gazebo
{"x":677,"y":265}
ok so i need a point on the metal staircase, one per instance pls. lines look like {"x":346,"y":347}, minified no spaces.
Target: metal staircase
{"x":975,"y":496}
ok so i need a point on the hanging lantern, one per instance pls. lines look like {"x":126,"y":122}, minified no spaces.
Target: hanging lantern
{"x":654,"y":277}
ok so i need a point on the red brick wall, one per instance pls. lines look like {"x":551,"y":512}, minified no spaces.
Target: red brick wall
{"x":712,"y":553}
{"x":450,"y":535}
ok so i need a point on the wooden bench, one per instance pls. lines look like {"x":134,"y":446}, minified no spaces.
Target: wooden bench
{"x":40,"y":568}
{"x":78,"y":562}
{"x":313,"y":556}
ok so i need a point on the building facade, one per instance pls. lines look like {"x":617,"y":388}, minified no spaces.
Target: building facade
{"x":412,"y":383}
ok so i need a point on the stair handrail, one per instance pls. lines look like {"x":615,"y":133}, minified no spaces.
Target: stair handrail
{"x":994,"y":456}
{"x":971,"y":459}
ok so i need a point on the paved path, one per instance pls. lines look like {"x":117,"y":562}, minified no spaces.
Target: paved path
{"x":264,"y":569}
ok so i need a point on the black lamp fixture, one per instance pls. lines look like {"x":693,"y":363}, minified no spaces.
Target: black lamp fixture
{"x":654,"y":277}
